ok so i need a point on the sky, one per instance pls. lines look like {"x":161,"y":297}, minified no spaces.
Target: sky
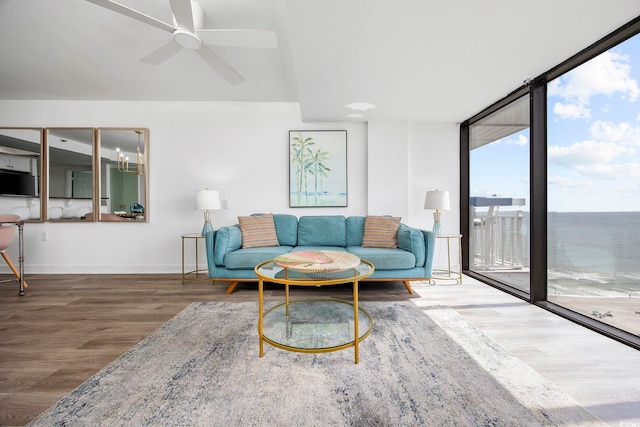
{"x":593,"y":150}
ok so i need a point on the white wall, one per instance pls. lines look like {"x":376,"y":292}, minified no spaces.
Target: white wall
{"x":434,"y":163}
{"x":388,"y":175}
{"x":240,"y":149}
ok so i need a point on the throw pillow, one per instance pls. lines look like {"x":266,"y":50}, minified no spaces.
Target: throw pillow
{"x":380,"y":232}
{"x":258,"y":231}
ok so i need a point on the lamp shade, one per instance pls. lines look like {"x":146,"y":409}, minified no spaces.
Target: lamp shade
{"x":437,"y":200}
{"x":207,"y":200}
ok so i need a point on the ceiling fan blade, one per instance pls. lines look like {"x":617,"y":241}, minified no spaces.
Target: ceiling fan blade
{"x":239,"y":38}
{"x":220,"y":66}
{"x":124,"y":10}
{"x":163,"y":53}
{"x":183,"y":13}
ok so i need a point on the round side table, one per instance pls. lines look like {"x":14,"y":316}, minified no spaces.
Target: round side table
{"x":449,"y":274}
{"x":196,"y":274}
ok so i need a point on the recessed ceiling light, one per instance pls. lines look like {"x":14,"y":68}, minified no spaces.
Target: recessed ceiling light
{"x":360,"y":106}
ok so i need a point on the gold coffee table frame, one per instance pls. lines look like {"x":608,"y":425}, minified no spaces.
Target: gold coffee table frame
{"x":271,"y":272}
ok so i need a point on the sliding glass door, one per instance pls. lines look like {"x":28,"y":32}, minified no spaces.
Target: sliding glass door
{"x":499,"y":195}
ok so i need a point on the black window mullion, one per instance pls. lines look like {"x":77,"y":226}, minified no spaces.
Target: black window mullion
{"x":538,"y":191}
{"x":464,"y":194}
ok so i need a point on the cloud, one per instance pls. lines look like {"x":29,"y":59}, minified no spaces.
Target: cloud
{"x":586,"y":153}
{"x":607,"y":74}
{"x":610,"y":153}
{"x":615,"y":132}
{"x":572,"y":111}
{"x":626,"y":170}
{"x":566,"y":182}
{"x":520,"y":141}
{"x":596,"y":159}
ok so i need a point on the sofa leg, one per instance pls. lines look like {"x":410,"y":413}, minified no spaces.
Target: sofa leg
{"x":407,"y":284}
{"x":231,"y":287}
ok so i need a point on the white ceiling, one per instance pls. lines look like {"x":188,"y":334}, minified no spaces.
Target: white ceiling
{"x":416,"y":60}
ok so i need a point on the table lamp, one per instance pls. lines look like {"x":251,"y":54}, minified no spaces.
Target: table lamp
{"x":438,"y":200}
{"x":207,"y":200}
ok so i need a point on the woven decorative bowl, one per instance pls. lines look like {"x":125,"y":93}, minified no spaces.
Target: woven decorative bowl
{"x":318,"y":261}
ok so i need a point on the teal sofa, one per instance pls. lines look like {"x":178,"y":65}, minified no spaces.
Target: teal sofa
{"x":411,"y":260}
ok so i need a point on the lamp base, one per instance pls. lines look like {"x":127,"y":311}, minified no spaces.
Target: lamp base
{"x":437,"y":230}
{"x":207,"y":227}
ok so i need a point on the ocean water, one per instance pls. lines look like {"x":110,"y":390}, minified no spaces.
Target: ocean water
{"x":594,"y":253}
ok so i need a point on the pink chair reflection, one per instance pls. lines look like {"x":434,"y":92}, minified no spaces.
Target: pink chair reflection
{"x":8,"y":225}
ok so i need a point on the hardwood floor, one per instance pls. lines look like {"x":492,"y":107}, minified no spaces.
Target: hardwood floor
{"x":68,"y":327}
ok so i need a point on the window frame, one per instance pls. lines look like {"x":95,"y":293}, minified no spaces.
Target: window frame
{"x":537,"y":90}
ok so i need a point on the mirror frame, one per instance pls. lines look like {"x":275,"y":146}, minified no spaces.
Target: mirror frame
{"x":144,"y":144}
{"x":30,"y":200}
{"x":68,"y":192}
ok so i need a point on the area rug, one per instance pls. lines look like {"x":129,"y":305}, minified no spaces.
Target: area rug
{"x":202,"y":369}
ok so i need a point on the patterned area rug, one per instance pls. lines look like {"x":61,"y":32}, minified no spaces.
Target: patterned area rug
{"x":420,"y":366}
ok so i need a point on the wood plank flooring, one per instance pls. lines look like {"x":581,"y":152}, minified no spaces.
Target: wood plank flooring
{"x":68,"y":327}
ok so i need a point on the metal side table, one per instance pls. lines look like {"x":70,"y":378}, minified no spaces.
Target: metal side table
{"x":196,"y":274}
{"x":450,"y":274}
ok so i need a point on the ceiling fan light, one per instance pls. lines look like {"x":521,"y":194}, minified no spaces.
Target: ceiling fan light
{"x":187,"y":39}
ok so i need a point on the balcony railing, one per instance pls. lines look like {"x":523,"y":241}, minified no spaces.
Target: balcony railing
{"x":499,"y":234}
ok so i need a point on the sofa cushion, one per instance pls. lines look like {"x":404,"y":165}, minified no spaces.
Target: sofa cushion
{"x":319,"y":248}
{"x":286,"y":229}
{"x":258,"y":231}
{"x":325,"y":230}
{"x":355,"y":230}
{"x":228,"y":239}
{"x":412,"y":240}
{"x":385,"y":258}
{"x":249,"y":258}
{"x":380,"y":232}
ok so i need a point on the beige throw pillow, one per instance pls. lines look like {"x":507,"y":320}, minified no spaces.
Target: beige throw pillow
{"x":381,"y":232}
{"x":258,"y":231}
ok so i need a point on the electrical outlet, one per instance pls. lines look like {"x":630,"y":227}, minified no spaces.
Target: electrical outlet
{"x":44,"y":236}
{"x":225,"y":204}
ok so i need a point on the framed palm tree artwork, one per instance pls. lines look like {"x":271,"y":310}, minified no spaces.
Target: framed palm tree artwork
{"x":317,"y":168}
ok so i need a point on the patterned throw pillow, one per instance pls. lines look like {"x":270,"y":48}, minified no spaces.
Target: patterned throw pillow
{"x":381,"y":232}
{"x":258,"y":231}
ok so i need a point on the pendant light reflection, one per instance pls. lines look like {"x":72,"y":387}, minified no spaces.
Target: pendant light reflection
{"x":123,"y":161}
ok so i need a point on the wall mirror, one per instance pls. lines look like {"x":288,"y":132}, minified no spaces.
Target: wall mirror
{"x":75,"y":174}
{"x":21,"y":172}
{"x":70,"y":173}
{"x":123,"y":174}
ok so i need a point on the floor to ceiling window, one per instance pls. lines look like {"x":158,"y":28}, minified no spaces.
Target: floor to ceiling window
{"x":499,"y":195}
{"x":552,"y":178}
{"x":593,"y":195}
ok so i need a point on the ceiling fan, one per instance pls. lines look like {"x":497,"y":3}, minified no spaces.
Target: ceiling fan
{"x":188,"y":33}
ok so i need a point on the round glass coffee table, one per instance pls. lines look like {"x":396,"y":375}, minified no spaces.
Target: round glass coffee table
{"x":313,"y":325}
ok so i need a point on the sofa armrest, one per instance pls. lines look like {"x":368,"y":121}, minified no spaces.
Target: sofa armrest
{"x":209,"y":240}
{"x":412,"y":240}
{"x":227,"y":239}
{"x":430,"y":244}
